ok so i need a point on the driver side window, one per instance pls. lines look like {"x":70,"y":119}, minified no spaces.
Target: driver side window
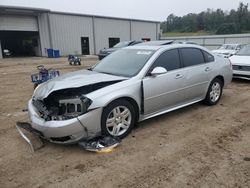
{"x":170,"y":60}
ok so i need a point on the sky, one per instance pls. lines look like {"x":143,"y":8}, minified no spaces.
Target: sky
{"x":156,"y":10}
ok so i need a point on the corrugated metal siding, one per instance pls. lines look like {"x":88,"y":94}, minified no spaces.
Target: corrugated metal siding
{"x":158,"y":31}
{"x":106,"y":28}
{"x":198,"y":41}
{"x":214,"y":41}
{"x":67,"y":30}
{"x":18,"y":23}
{"x":238,"y":40}
{"x":44,"y":33}
{"x":143,"y":30}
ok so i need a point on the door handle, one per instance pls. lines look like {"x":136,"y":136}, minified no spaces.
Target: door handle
{"x":178,"y":76}
{"x":208,"y":69}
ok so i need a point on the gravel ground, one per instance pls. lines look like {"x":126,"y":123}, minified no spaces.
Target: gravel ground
{"x":197,"y":146}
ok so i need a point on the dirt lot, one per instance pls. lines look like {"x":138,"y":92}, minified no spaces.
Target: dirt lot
{"x":197,"y":146}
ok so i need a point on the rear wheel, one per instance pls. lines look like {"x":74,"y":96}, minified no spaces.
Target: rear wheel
{"x":118,"y":118}
{"x":214,"y":92}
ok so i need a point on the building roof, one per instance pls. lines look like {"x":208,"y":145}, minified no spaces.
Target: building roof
{"x":30,"y":10}
{"x":23,"y":10}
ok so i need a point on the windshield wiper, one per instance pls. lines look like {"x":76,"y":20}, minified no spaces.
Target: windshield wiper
{"x":113,"y":74}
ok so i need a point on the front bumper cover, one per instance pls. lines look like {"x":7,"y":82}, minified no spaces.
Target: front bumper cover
{"x":30,"y":135}
{"x":241,"y":74}
{"x":68,"y":131}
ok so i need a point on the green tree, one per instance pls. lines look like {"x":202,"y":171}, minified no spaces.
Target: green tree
{"x":234,"y":21}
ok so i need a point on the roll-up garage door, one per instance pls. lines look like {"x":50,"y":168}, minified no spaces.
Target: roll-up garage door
{"x":18,"y":23}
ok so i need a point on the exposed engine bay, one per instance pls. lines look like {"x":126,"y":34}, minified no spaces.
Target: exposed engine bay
{"x":67,"y":103}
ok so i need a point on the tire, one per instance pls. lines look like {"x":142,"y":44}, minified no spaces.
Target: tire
{"x":118,"y":118}
{"x":214,"y":92}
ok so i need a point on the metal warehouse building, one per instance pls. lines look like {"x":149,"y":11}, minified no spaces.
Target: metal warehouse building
{"x":31,"y":31}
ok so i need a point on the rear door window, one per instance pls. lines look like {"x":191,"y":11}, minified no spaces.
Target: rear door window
{"x":208,"y":57}
{"x":192,"y":56}
{"x":170,"y":60}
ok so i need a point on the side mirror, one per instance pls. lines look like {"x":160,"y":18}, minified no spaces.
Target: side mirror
{"x":158,"y":71}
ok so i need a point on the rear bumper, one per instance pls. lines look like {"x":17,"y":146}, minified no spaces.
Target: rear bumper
{"x":67,"y":131}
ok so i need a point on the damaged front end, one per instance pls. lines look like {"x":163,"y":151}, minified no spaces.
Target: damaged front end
{"x":56,"y":109}
{"x":67,"y":103}
{"x":65,"y":116}
{"x":61,"y":111}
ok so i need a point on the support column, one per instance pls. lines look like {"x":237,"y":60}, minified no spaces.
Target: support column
{"x":157,"y":32}
{"x":94,"y":35}
{"x":130,"y":29}
{"x":49,"y":28}
{"x":1,"y":55}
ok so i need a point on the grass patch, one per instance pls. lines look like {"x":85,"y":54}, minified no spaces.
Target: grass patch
{"x":182,"y":34}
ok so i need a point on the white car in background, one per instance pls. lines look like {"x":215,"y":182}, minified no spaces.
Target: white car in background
{"x":228,"y":50}
{"x":241,"y":63}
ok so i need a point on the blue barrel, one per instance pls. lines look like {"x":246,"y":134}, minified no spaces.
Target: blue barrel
{"x":50,"y":52}
{"x":56,"y":53}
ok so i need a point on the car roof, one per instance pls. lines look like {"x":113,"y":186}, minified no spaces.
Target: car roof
{"x":170,"y":46}
{"x":135,"y":42}
{"x":231,"y":44}
{"x":156,"y":43}
{"x":185,"y":42}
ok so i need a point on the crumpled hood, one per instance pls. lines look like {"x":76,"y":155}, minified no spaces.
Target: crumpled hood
{"x":240,"y":60}
{"x":73,"y":80}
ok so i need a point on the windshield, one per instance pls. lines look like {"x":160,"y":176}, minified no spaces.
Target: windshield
{"x":228,"y":47}
{"x":244,"y":51}
{"x":121,"y":44}
{"x":124,"y":62}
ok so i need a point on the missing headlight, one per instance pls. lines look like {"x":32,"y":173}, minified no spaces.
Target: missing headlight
{"x":62,"y":108}
{"x":71,"y":108}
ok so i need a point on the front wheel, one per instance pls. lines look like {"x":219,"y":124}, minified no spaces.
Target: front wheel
{"x":214,"y":92}
{"x":118,"y":118}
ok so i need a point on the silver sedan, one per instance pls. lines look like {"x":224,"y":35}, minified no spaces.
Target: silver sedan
{"x":128,"y":86}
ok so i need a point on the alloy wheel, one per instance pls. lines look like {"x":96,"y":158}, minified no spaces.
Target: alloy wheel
{"x":118,"y":121}
{"x":215,"y":91}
